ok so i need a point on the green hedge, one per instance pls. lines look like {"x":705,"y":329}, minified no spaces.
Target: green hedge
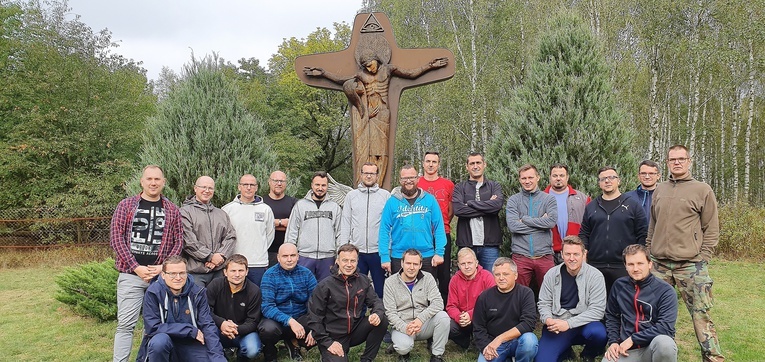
{"x":90,"y":289}
{"x":742,"y":232}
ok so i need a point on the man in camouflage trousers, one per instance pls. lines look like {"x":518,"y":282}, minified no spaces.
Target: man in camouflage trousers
{"x":682,"y":234}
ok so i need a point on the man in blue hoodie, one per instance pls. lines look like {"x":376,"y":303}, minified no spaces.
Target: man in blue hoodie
{"x":411,"y":219}
{"x":176,"y":319}
{"x":649,"y":175}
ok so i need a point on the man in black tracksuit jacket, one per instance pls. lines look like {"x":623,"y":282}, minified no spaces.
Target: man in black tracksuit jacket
{"x":235,"y":308}
{"x":337,"y":311}
{"x":611,"y":222}
{"x":641,"y":313}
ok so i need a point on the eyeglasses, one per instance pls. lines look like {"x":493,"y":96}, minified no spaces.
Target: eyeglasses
{"x":369,"y":173}
{"x":408,"y":179}
{"x":278,"y":181}
{"x":608,"y":178}
{"x":647,"y":174}
{"x":680,"y":160}
{"x":248,"y":185}
{"x":206,"y":188}
{"x":176,"y":275}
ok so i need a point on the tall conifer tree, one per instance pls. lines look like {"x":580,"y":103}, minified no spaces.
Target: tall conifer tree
{"x":565,"y":112}
{"x":203,"y":129}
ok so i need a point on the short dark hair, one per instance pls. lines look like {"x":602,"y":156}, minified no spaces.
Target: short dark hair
{"x":634,"y":249}
{"x":437,"y":154}
{"x":527,"y":167}
{"x":347,"y":247}
{"x":377,"y":168}
{"x":153,"y":166}
{"x":411,"y":251}
{"x":559,"y":165}
{"x":574,"y":240}
{"x":322,"y":174}
{"x":174,"y":259}
{"x":606,"y":168}
{"x":473,"y":154}
{"x":649,"y":163}
{"x":408,"y":166}
{"x":239,"y":259}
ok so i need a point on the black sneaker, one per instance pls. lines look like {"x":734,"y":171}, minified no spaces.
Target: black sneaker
{"x":404,"y":358}
{"x":434,"y":358}
{"x":390,"y":349}
{"x":294,"y":351}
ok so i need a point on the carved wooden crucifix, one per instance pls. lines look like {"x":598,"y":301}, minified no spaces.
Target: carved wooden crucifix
{"x":373,"y":72}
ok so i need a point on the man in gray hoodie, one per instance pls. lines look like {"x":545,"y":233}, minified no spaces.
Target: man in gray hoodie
{"x":208,"y":236}
{"x":531,"y":215}
{"x":360,"y":224}
{"x":314,"y":228}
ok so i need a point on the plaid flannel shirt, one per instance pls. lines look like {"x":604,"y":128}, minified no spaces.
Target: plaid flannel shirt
{"x":122,"y":227}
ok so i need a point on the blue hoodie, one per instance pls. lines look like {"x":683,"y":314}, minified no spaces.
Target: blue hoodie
{"x":404,"y":226}
{"x":644,"y":197}
{"x":179,"y":316}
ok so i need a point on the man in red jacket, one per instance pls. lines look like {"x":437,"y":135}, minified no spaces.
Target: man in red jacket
{"x":464,"y":288}
{"x":571,"y":205}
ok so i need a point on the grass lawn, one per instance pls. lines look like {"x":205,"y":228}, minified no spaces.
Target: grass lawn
{"x":36,"y":327}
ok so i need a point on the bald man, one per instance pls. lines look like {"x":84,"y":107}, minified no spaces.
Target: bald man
{"x":208,"y":236}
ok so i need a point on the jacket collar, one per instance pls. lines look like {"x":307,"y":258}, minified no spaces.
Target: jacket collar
{"x":571,"y":190}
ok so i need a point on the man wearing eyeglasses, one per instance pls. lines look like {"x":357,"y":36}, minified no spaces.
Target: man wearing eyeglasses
{"x":360,"y":224}
{"x":611,"y":222}
{"x":411,"y":219}
{"x":253,"y":221}
{"x":209,"y":238}
{"x":281,"y":205}
{"x":682,"y":234}
{"x":145,"y":231}
{"x":648,"y":175}
{"x":177,"y":322}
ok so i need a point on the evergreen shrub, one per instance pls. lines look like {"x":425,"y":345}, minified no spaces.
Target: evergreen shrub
{"x":90,"y":289}
{"x":742,"y":231}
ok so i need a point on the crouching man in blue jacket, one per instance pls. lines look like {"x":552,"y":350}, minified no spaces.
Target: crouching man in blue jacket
{"x":641,"y":313}
{"x":176,"y":319}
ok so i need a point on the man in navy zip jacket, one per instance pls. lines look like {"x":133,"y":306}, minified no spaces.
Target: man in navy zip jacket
{"x":337,"y":311}
{"x":176,"y":319}
{"x":611,"y":222}
{"x":641,"y":313}
{"x":649,"y":176}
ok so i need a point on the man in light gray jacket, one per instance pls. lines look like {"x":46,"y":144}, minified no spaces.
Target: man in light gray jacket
{"x":415,"y":309}
{"x":314,"y":228}
{"x":531,"y":215}
{"x":572,"y":301}
{"x":208,"y":236}
{"x":360,"y":224}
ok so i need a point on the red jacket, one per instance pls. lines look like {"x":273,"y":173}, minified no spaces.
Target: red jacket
{"x":463,"y":293}
{"x":575,"y":204}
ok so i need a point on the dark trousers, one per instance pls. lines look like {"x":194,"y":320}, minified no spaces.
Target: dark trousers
{"x":427,"y":266}
{"x":163,"y":348}
{"x":362,"y":332}
{"x":444,"y":271}
{"x":552,"y":347}
{"x":271,"y":332}
{"x":370,"y":263}
{"x":460,"y":335}
{"x":319,"y":267}
{"x":610,"y":274}
{"x":255,"y":274}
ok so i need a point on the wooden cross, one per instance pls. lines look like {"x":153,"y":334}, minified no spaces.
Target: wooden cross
{"x":373,"y":72}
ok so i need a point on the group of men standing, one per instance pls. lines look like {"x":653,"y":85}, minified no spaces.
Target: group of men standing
{"x":305,"y":262}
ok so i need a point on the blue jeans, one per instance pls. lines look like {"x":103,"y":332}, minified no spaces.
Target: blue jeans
{"x":523,"y":348}
{"x":249,"y":345}
{"x":319,"y":267}
{"x":255,"y":274}
{"x":486,"y":256}
{"x":163,"y":348}
{"x":553,"y":346}
{"x":370,"y":263}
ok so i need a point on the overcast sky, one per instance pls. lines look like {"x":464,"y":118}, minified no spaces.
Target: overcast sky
{"x":163,"y":32}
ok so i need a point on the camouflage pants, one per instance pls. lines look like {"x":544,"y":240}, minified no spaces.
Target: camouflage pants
{"x":695,"y":285}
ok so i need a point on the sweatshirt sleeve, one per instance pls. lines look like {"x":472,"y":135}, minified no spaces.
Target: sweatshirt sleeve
{"x":665,"y":319}
{"x":710,"y":226}
{"x":293,"y":228}
{"x":481,"y":335}
{"x":546,"y":295}
{"x":386,"y":223}
{"x":389,"y":301}
{"x":253,"y":313}
{"x":345,"y":220}
{"x":641,"y":224}
{"x":548,"y":214}
{"x":434,"y":296}
{"x":439,"y":233}
{"x":489,"y":206}
{"x":513,"y":215}
{"x":452,"y":307}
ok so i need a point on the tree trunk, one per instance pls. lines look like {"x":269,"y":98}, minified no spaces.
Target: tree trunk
{"x":750,"y":118}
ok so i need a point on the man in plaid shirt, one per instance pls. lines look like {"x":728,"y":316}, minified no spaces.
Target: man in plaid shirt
{"x":145,"y":230}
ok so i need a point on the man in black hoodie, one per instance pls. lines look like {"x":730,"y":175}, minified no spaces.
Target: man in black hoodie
{"x":235,"y":308}
{"x":337,"y":311}
{"x":641,"y":313}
